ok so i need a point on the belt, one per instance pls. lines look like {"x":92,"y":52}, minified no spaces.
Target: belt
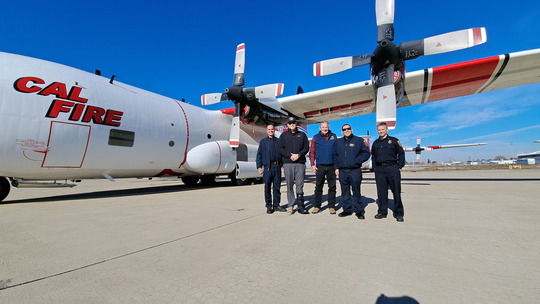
{"x":387,"y":164}
{"x":274,"y":163}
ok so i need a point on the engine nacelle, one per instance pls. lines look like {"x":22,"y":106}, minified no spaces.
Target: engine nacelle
{"x":246,"y":170}
{"x":211,"y":158}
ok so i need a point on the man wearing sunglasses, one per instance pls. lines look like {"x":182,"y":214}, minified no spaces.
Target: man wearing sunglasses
{"x":294,"y":146}
{"x":349,"y":153}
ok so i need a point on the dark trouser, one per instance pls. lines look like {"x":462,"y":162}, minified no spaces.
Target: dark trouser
{"x":325,"y":172}
{"x":351,"y":179}
{"x":384,"y":177}
{"x":272,"y":179}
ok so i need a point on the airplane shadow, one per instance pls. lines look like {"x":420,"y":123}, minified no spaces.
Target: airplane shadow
{"x":119,"y":193}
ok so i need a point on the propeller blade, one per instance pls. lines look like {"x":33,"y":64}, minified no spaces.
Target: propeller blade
{"x":386,"y":97}
{"x":269,"y":90}
{"x":417,"y":157}
{"x":418,"y":141}
{"x":234,"y":137}
{"x":208,"y":99}
{"x":239,"y":65}
{"x":336,"y":65}
{"x":444,"y":43}
{"x":384,"y":11}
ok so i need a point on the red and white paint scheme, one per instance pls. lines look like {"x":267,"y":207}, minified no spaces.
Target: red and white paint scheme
{"x":60,"y":124}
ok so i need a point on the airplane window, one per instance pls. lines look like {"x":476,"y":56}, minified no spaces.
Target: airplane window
{"x":121,"y":138}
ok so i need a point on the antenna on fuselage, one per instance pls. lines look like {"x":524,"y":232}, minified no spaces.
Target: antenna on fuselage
{"x":112,"y":79}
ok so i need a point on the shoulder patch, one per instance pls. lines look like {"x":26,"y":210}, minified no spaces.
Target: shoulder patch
{"x":399,"y":144}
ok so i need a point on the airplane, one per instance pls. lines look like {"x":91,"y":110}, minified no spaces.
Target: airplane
{"x":61,"y":125}
{"x":418,"y":149}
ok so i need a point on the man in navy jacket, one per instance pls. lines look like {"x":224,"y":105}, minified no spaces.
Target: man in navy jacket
{"x":269,"y":165}
{"x":321,"y":157}
{"x":349,"y":153}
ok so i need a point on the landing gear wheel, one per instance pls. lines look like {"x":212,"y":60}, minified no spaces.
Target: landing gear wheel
{"x":4,"y":188}
{"x":190,"y":181}
{"x":208,"y":180}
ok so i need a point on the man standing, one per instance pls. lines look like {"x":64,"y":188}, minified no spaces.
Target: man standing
{"x":294,"y":146}
{"x":269,"y":165}
{"x":387,"y":159}
{"x":322,"y":154}
{"x":349,"y":153}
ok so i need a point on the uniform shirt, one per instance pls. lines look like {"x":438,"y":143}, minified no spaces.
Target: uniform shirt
{"x":350,"y":153}
{"x":387,"y":150}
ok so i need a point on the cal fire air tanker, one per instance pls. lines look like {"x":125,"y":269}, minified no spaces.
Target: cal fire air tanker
{"x":60,"y":124}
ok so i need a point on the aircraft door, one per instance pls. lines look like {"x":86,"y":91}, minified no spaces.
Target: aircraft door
{"x":67,"y":146}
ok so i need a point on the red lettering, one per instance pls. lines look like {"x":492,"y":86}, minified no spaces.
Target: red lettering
{"x":112,"y":118}
{"x":95,"y":114}
{"x":22,"y":85}
{"x":77,"y":112}
{"x":58,"y":106}
{"x":55,"y":88}
{"x":74,"y":94}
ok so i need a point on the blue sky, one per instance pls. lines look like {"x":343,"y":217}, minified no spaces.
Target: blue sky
{"x":185,"y":49}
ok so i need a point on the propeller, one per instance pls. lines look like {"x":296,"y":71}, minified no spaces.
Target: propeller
{"x":387,"y":61}
{"x":242,"y":97}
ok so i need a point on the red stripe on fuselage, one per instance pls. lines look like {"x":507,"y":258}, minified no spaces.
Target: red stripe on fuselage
{"x":461,"y":79}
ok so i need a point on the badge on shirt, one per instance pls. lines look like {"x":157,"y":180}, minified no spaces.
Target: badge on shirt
{"x":351,"y":145}
{"x":390,"y":141}
{"x":332,"y":137}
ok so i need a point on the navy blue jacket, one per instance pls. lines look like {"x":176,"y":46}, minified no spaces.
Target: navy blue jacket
{"x":387,"y":150}
{"x":350,"y":153}
{"x":264,"y":153}
{"x":296,"y":143}
{"x":322,"y":149}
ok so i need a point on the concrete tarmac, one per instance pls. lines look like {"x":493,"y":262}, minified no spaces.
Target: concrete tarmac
{"x":468,"y":237}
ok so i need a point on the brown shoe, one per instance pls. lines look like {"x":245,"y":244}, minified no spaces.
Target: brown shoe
{"x":315,"y":210}
{"x":332,"y":211}
{"x":289,"y":210}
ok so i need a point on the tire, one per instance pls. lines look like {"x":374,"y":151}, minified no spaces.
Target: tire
{"x":4,"y":188}
{"x":190,"y":181}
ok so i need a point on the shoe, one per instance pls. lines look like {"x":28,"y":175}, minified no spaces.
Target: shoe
{"x":360,"y":216}
{"x":344,"y":214}
{"x":380,"y":216}
{"x":289,"y":210}
{"x":332,"y":211}
{"x":399,"y":218}
{"x":280,"y":209}
{"x":303,"y":211}
{"x":269,"y":210}
{"x":315,"y":210}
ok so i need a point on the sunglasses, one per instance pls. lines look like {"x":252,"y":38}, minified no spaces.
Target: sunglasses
{"x":291,"y":123}
{"x":345,"y":129}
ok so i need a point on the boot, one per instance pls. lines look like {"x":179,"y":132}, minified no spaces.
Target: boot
{"x":300,"y":202}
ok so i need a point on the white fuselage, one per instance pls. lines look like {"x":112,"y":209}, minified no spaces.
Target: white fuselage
{"x":58,"y":122}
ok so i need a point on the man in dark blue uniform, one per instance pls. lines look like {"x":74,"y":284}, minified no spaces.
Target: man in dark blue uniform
{"x":269,"y":165}
{"x":388,"y":157}
{"x":349,"y":153}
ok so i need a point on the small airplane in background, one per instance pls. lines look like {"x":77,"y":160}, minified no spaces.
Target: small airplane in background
{"x":62,"y":124}
{"x":418,"y":149}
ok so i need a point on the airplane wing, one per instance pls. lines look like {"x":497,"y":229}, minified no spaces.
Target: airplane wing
{"x":444,"y":82}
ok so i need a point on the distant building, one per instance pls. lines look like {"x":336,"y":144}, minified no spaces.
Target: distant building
{"x":529,"y":158}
